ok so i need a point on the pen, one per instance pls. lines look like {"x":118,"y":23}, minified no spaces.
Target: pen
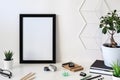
{"x":93,"y":77}
{"x":86,"y":77}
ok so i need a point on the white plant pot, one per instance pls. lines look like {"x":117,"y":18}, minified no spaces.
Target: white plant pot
{"x":8,"y":64}
{"x":115,"y":78}
{"x":110,"y":55}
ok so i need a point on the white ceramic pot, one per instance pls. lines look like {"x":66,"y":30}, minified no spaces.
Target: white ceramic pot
{"x":115,"y":78}
{"x":8,"y":64}
{"x":110,"y":55}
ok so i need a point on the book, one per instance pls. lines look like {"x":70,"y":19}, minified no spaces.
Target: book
{"x":101,"y":72}
{"x":99,"y":67}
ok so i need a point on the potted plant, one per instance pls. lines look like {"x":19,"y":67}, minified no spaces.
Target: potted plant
{"x":116,"y":71}
{"x":110,"y":24}
{"x":8,"y":61}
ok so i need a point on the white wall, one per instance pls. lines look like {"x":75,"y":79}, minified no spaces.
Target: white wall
{"x":77,"y":32}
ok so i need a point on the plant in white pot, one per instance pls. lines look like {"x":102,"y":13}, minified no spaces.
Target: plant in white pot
{"x":110,"y":24}
{"x":116,"y":71}
{"x":8,"y":61}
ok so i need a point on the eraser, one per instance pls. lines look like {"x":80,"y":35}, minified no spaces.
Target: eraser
{"x":83,"y":74}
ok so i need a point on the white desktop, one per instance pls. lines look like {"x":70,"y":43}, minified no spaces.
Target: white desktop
{"x":20,"y":70}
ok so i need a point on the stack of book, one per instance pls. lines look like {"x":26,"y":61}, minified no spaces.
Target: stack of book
{"x":98,"y":67}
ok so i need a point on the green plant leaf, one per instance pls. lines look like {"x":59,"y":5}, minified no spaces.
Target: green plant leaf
{"x":8,"y":55}
{"x":101,"y":25}
{"x":115,"y":11}
{"x":111,"y":28}
{"x":118,"y":31}
{"x":108,"y":13}
{"x":104,"y":30}
{"x":110,"y":23}
{"x":116,"y":69}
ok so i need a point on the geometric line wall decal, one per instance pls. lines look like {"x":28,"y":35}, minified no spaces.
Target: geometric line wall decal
{"x":84,"y":24}
{"x":107,"y":4}
{"x":91,"y":13}
{"x":101,"y":8}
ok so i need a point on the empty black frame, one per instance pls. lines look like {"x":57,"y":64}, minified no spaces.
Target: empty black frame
{"x":28,"y":43}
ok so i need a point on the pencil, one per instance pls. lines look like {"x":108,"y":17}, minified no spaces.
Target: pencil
{"x":28,"y":76}
{"x":25,"y":76}
{"x":86,"y":77}
{"x":32,"y":78}
{"x":93,"y":77}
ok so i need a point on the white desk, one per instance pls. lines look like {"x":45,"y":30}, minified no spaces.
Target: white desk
{"x":20,"y":70}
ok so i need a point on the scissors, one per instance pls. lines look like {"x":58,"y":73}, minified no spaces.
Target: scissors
{"x":6,"y":73}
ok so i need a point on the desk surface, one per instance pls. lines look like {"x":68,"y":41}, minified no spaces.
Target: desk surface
{"x":20,"y":70}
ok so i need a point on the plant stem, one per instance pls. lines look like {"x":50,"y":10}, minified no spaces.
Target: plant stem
{"x":113,"y":43}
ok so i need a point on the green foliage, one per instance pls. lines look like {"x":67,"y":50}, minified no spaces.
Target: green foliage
{"x":8,"y":55}
{"x":110,"y":23}
{"x":116,"y":69}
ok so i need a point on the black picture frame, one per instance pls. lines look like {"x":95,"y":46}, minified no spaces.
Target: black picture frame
{"x":23,"y":20}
